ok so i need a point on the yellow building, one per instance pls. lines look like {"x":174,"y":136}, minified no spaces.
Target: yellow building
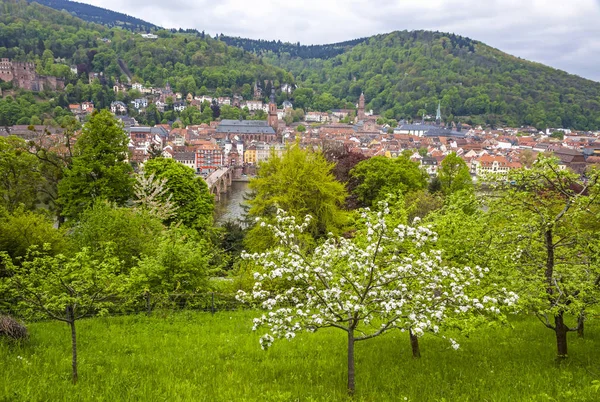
{"x":250,"y":155}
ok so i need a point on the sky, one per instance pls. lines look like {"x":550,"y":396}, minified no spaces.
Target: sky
{"x":564,"y":34}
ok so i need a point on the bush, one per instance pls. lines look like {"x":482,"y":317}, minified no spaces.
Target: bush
{"x":11,"y":328}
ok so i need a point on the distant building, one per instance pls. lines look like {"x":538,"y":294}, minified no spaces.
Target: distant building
{"x":118,"y":107}
{"x":247,"y":130}
{"x":186,"y":158}
{"x":140,"y":103}
{"x":361,"y":107}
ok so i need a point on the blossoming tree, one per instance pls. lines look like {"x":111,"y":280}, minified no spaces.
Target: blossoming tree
{"x":382,"y":279}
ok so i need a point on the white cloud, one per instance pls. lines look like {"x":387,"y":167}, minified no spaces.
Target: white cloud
{"x":562,"y":34}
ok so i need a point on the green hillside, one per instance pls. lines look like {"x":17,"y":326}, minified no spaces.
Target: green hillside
{"x":405,"y":74}
{"x":55,"y":41}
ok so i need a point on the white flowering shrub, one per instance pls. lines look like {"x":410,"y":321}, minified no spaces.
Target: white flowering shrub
{"x":152,"y":194}
{"x":383,"y":278}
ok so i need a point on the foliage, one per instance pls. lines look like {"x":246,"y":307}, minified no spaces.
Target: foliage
{"x":179,"y":264}
{"x":546,"y":220}
{"x":99,"y":15}
{"x":187,"y":192}
{"x":382,"y":278}
{"x":379,"y":176}
{"x":20,"y":175}
{"x":301,"y":182}
{"x":454,"y":174}
{"x":99,"y":170}
{"x":23,"y":229}
{"x":132,"y":232}
{"x":233,"y":234}
{"x":152,"y":195}
{"x":404,"y":72}
{"x":65,"y":289}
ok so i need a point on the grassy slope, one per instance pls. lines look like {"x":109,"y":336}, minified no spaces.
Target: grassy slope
{"x":199,"y":357}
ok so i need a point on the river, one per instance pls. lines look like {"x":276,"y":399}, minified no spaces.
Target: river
{"x":229,"y":208}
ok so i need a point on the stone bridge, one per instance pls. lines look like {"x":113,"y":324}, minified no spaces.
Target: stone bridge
{"x":219,"y":181}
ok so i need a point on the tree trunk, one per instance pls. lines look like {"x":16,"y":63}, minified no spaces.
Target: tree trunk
{"x":561,"y":335}
{"x":414,"y":343}
{"x":351,"y":383}
{"x":71,"y":319}
{"x":148,"y":304}
{"x":580,"y":325}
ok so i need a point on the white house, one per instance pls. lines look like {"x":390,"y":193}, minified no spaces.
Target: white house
{"x":254,"y":105}
{"x":118,"y":107}
{"x":140,"y":103}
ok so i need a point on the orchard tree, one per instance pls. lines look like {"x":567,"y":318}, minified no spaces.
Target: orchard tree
{"x":548,"y":216}
{"x":99,"y":169}
{"x":454,"y":174}
{"x":385,"y":277}
{"x":65,"y":289}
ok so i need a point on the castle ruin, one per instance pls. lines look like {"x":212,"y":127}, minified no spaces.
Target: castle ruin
{"x":23,"y":75}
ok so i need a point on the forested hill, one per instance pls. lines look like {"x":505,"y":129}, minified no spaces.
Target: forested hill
{"x":405,"y":74}
{"x":98,"y":15}
{"x":189,"y":62}
{"x":263,"y":47}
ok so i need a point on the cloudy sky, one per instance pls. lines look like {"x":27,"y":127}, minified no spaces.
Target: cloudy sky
{"x":561,"y":33}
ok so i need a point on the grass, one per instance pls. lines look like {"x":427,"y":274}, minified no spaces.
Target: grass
{"x":193,"y":356}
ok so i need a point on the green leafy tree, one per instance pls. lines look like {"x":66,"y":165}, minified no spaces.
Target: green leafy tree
{"x":547,"y":217}
{"x":385,"y":277}
{"x":23,"y":229}
{"x":21,"y":177}
{"x":132,"y":231}
{"x":66,"y":289}
{"x":188,"y":192}
{"x":180,"y":264}
{"x":373,"y":179}
{"x":302,"y":182}
{"x":454,"y":174}
{"x":99,"y":170}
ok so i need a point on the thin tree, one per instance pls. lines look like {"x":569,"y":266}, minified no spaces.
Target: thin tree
{"x":548,"y":215}
{"x":65,"y":289}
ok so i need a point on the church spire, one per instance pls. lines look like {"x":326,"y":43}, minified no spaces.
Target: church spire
{"x":361,"y":107}
{"x":438,"y":114}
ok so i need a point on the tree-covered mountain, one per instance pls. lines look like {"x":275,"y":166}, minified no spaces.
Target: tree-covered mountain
{"x":405,"y":74}
{"x":263,"y":47}
{"x":191,"y":63}
{"x":98,"y":15}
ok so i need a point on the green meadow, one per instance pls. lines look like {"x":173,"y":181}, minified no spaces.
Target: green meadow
{"x":192,"y":356}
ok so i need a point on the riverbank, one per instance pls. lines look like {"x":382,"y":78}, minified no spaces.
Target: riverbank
{"x":230,"y":207}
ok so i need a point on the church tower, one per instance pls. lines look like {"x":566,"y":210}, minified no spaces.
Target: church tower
{"x":361,"y":107}
{"x":438,"y":114}
{"x":272,"y":119}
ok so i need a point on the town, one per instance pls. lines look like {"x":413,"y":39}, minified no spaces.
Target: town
{"x":240,"y":145}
